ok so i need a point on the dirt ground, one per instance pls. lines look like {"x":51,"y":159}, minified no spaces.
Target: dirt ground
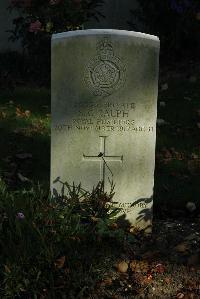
{"x":164,"y":265}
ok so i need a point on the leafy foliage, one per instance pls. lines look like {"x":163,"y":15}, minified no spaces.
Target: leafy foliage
{"x":38,"y":20}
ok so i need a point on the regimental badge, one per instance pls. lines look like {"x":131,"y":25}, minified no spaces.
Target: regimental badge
{"x":106,"y":72}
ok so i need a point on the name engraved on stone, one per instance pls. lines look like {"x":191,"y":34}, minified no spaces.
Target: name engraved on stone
{"x":103,"y":159}
{"x":106,"y":72}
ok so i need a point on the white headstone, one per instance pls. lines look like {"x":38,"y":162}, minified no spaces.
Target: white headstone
{"x":104,"y":107}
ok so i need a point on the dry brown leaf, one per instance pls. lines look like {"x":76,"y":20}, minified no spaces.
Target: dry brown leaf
{"x":180,"y":296}
{"x":167,"y":280}
{"x":19,"y":112}
{"x":113,"y":226}
{"x":182,"y":247}
{"x":106,"y":282}
{"x":133,"y":265}
{"x":122,"y":267}
{"x":139,"y":266}
{"x":159,"y":268}
{"x":59,"y":263}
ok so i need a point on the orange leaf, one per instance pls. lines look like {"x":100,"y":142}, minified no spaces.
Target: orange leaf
{"x":59,"y":263}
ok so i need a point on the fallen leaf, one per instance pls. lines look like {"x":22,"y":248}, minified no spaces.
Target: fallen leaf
{"x":159,"y":268}
{"x":139,"y":266}
{"x":180,"y":295}
{"x":149,"y":276}
{"x":22,"y":178}
{"x":59,"y":263}
{"x":122,"y":267}
{"x":106,"y":282}
{"x":20,"y":113}
{"x":167,"y":280}
{"x":133,"y":265}
{"x":182,"y":247}
{"x":113,"y":226}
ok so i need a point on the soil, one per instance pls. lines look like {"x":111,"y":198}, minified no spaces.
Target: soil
{"x":163,"y":265}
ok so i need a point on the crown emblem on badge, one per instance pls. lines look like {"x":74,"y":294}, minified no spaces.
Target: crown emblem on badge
{"x":105,"y":49}
{"x":106,"y":72}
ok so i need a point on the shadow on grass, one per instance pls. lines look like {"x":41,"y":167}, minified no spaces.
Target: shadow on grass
{"x":25,"y":135}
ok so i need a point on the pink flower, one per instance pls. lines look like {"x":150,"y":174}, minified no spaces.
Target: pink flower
{"x":35,"y":26}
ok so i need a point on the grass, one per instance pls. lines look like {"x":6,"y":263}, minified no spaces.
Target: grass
{"x":178,"y":145}
{"x":25,"y":128}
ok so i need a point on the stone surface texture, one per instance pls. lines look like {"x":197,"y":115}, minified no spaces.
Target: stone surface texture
{"x":104,"y":109}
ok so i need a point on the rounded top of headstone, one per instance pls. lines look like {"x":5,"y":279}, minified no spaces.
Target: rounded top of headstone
{"x":90,"y":32}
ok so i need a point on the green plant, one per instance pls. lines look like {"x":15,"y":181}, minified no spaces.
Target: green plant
{"x":43,"y":238}
{"x":38,"y":20}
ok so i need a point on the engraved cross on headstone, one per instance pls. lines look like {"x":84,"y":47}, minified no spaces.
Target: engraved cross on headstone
{"x":103,"y":158}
